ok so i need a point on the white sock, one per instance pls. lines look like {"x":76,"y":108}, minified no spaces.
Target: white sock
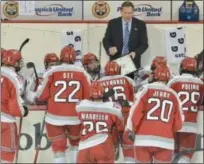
{"x":4,"y":161}
{"x":59,"y":157}
{"x":73,"y":154}
{"x":60,"y":160}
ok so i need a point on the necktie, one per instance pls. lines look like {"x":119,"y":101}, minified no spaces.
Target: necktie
{"x":125,"y":40}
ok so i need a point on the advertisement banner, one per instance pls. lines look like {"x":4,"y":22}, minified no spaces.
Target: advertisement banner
{"x":41,"y":10}
{"x":145,"y":10}
{"x":190,"y":11}
{"x":73,"y":38}
{"x":175,"y":45}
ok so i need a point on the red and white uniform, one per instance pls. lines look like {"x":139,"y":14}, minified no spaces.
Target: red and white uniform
{"x":190,"y":91}
{"x":11,"y":107}
{"x":62,"y":87}
{"x":98,"y":120}
{"x":124,"y":90}
{"x":154,"y":118}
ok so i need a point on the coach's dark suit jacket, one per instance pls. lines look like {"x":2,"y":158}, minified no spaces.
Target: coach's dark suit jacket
{"x":138,"y":41}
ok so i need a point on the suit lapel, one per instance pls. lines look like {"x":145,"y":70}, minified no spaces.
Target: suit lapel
{"x":120,"y":28}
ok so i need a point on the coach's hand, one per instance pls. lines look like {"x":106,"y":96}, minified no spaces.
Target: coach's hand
{"x":113,"y":50}
{"x":133,"y":55}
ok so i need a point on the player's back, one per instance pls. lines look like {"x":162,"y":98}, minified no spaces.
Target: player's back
{"x":190,"y":92}
{"x":63,"y":86}
{"x":10,"y":95}
{"x":160,"y":104}
{"x":98,"y":120}
{"x":122,"y":85}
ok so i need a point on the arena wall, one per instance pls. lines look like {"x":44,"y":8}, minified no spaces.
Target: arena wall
{"x":46,"y":38}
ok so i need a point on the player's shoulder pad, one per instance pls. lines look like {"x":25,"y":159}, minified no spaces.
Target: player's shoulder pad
{"x":131,"y":81}
{"x":83,"y":102}
{"x":50,"y":71}
{"x":12,"y":76}
{"x":141,"y":91}
{"x":174,"y":79}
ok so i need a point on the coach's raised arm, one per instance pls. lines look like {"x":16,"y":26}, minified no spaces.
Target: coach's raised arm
{"x":126,"y":35}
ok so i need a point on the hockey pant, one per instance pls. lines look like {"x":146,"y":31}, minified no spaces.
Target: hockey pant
{"x":58,"y":136}
{"x":127,"y":144}
{"x":9,"y":142}
{"x":152,"y":155}
{"x":102,"y":153}
{"x":186,"y":141}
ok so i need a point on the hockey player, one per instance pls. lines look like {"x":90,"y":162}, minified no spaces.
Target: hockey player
{"x":190,"y":92}
{"x":144,"y":75}
{"x":92,"y":65}
{"x":62,"y":87}
{"x":154,"y":118}
{"x":98,"y":119}
{"x":124,"y":92}
{"x":12,"y":104}
{"x":50,"y":59}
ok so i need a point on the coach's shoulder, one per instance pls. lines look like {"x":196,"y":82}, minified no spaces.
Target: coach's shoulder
{"x":114,"y":20}
{"x":139,"y":21}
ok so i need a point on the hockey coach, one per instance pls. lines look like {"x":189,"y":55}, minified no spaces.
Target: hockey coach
{"x":126,"y":35}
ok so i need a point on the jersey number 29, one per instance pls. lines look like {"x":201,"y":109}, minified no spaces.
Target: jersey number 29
{"x":65,"y":85}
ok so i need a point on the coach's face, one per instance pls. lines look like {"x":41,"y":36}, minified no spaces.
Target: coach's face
{"x":127,"y":13}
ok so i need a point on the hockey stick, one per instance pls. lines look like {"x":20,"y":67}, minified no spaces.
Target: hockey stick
{"x":99,"y":58}
{"x":32,"y":65}
{"x":21,"y":119}
{"x":23,"y":44}
{"x":187,"y":151}
{"x":37,"y":149}
{"x":20,"y":127}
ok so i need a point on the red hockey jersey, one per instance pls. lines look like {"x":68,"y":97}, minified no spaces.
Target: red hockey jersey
{"x":190,"y":92}
{"x":11,"y":90}
{"x":62,"y":87}
{"x":155,"y":116}
{"x":98,"y":120}
{"x":122,"y":85}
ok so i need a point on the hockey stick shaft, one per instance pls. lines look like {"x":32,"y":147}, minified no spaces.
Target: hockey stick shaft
{"x":23,"y":44}
{"x":39,"y":140}
{"x":99,"y":57}
{"x":32,"y":65}
{"x":20,"y":127}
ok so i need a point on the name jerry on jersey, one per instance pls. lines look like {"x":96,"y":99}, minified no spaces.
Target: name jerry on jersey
{"x":161,"y":94}
{"x":94,"y":116}
{"x":114,"y":82}
{"x":190,"y":87}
